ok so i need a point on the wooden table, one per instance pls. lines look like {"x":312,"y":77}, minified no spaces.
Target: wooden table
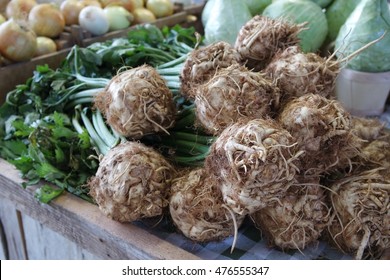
{"x":68,"y":228}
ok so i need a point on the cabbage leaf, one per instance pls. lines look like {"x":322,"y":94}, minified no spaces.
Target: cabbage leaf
{"x":337,"y":13}
{"x":223,"y":20}
{"x":300,"y":11}
{"x":368,"y":22}
{"x":256,"y":7}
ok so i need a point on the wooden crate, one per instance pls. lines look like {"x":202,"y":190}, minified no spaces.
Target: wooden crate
{"x":69,"y":228}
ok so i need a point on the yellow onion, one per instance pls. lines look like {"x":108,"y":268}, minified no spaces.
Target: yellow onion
{"x":17,"y":41}
{"x":95,"y":3}
{"x":160,"y":8}
{"x":46,"y":20}
{"x":45,"y":45}
{"x":143,"y":15}
{"x":19,"y":8}
{"x":129,"y":5}
{"x":71,"y":9}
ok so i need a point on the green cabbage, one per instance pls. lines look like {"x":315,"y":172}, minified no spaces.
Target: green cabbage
{"x":337,"y":13}
{"x":256,"y":7}
{"x":223,"y":20}
{"x":321,"y":3}
{"x":369,"y":21}
{"x":300,"y":11}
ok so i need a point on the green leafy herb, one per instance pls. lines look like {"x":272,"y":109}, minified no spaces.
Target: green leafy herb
{"x":39,"y":133}
{"x":47,"y":193}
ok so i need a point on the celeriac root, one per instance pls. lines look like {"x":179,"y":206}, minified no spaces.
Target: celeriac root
{"x":197,"y":208}
{"x":255,"y":163}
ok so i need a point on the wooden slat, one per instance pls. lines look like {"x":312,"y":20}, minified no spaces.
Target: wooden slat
{"x":12,"y":231}
{"x":42,"y":243}
{"x":84,"y":224}
{"x":3,"y":243}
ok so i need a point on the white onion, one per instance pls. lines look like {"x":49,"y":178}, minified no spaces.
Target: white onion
{"x":94,"y":20}
{"x":118,"y":17}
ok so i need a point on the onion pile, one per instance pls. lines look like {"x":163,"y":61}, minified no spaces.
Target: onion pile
{"x":297,"y":219}
{"x":197,"y":208}
{"x":132,"y":182}
{"x":137,"y":102}
{"x":202,"y":64}
{"x":231,"y":94}
{"x":255,"y":162}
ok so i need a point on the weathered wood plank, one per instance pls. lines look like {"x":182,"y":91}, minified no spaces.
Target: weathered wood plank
{"x":42,"y":243}
{"x":84,"y":224}
{"x":12,"y":232}
{"x":3,"y":243}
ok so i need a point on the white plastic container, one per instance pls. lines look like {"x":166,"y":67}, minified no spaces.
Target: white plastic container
{"x":361,"y":93}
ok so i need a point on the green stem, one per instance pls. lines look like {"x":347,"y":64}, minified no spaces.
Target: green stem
{"x":79,"y":101}
{"x":159,"y":53}
{"x":174,"y":71}
{"x":190,"y":159}
{"x":103,"y":130}
{"x":92,"y":82}
{"x":76,"y":123}
{"x":178,"y":61}
{"x":185,"y":147}
{"x":96,"y":140}
{"x":173,"y":85}
{"x":193,"y":137}
{"x":173,"y":79}
{"x":92,"y":92}
{"x":185,"y":122}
